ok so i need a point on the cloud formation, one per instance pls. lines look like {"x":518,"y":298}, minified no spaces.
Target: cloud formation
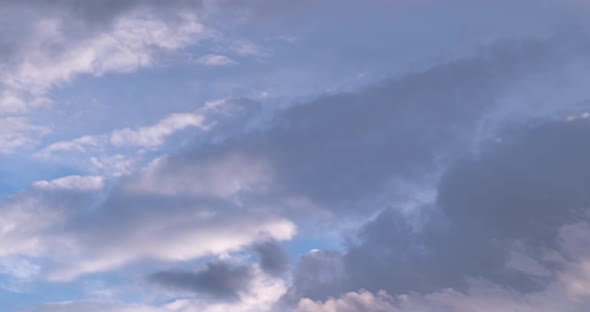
{"x":566,"y":292}
{"x":425,"y":157}
{"x":55,"y":55}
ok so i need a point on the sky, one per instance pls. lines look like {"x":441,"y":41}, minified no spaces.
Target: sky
{"x":294,"y":156}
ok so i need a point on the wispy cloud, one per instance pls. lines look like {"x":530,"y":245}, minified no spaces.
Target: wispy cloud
{"x":215,"y":60}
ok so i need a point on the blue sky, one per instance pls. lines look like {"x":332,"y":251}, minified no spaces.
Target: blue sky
{"x":305,"y":156}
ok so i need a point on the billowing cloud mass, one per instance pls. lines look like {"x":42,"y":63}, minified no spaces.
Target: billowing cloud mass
{"x":265,"y":156}
{"x":497,"y":216}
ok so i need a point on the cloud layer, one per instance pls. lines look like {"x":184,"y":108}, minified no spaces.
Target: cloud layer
{"x":390,"y":156}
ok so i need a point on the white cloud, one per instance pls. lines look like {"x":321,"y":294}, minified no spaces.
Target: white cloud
{"x":20,"y":268}
{"x":80,"y":144}
{"x":29,"y":209}
{"x":52,"y":56}
{"x":246,"y":48}
{"x":78,"y":183}
{"x":99,"y":153}
{"x":148,"y":136}
{"x":114,"y":165}
{"x":155,"y":135}
{"x":19,"y":132}
{"x":86,"y":232}
{"x":52,"y":50}
{"x":182,"y":236}
{"x":215,"y":60}
{"x":220,"y":177}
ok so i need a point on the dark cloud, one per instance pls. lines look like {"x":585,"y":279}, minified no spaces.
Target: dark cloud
{"x":218,"y":279}
{"x":273,"y":259}
{"x":339,"y":149}
{"x":521,"y":189}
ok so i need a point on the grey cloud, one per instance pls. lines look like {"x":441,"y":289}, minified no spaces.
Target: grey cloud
{"x":218,"y":279}
{"x":319,"y":274}
{"x":335,"y":150}
{"x":565,"y":292}
{"x":523,"y":189}
{"x":339,"y":149}
{"x":273,"y":259}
